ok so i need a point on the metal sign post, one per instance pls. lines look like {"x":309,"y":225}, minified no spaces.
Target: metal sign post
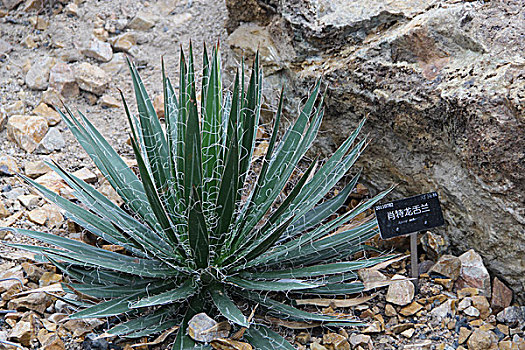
{"x":410,"y":216}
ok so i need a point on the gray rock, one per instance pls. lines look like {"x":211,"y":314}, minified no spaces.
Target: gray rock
{"x":99,"y":50}
{"x":62,"y":80}
{"x":37,"y":77}
{"x":11,"y":4}
{"x":400,"y":292}
{"x":511,"y":315}
{"x":442,"y":87}
{"x":473,"y":272}
{"x":53,"y":141}
{"x":91,"y":78}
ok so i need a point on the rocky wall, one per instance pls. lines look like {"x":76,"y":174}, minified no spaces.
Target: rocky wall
{"x":443,"y":86}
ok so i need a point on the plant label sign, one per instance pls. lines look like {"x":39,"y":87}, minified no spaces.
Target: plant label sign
{"x":413,"y":214}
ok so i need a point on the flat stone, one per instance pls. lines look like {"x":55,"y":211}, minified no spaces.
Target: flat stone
{"x":411,"y":309}
{"x":91,"y":78}
{"x":390,"y":311}
{"x":420,"y":345}
{"x":49,"y":278}
{"x":36,"y":169}
{"x":17,"y":107}
{"x":37,"y":302}
{"x":446,"y":308}
{"x":108,"y":101}
{"x":303,"y":338}
{"x":317,"y":346}
{"x":54,"y":182}
{"x":17,"y":275}
{"x":23,"y":333}
{"x":408,"y":333}
{"x":401,"y":327}
{"x":143,"y":21}
{"x":53,"y":141}
{"x":27,"y":131}
{"x":481,"y":303}
{"x":203,"y":328}
{"x":52,"y":116}
{"x":124,"y":42}
{"x":375,"y":327}
{"x":62,"y":80}
{"x":86,"y":175}
{"x":400,"y":292}
{"x":471,"y":311}
{"x":473,"y":272}
{"x":81,"y":327}
{"x":116,"y":65}
{"x":37,"y":78}
{"x":54,"y":216}
{"x":501,"y":295}
{"x":38,"y":216}
{"x":481,"y":340}
{"x":464,"y":333}
{"x":99,"y":50}
{"x":11,"y":4}
{"x":357,"y":339}
{"x":448,"y":266}
{"x":29,"y":200}
{"x":464,"y":303}
{"x":8,"y":165}
{"x":511,"y":315}
{"x":52,"y":97}
{"x":53,"y":342}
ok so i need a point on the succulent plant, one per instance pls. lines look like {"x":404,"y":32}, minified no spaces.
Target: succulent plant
{"x":203,"y":227}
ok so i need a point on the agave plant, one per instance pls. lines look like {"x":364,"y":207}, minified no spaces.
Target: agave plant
{"x":202,"y":228}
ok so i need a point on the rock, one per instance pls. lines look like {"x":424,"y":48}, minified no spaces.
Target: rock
{"x":54,"y":182}
{"x":38,"y":302}
{"x":5,"y":48}
{"x":303,"y":338}
{"x":71,"y":9}
{"x":62,"y":80}
{"x":8,"y":166}
{"x":203,"y":328}
{"x":481,"y":303}
{"x":400,"y":292}
{"x":375,"y":55}
{"x":53,"y":141}
{"x":80,"y":327}
{"x":29,"y":200}
{"x":3,"y":211}
{"x":408,"y":333}
{"x":99,"y":50}
{"x":17,"y":107}
{"x":52,"y":97}
{"x":473,"y":272}
{"x":3,"y":119}
{"x":86,"y":175}
{"x":38,"y":216}
{"x":143,"y":21}
{"x":116,"y":65}
{"x":336,"y":341}
{"x":471,"y":311}
{"x":49,"y":278}
{"x":33,"y":5}
{"x":108,"y":101}
{"x":17,"y":275}
{"x":124,"y":42}
{"x":481,"y":340}
{"x":35,"y":169}
{"x":27,"y":131}
{"x":463,"y":304}
{"x":374,"y":327}
{"x":317,"y":346}
{"x":37,"y":78}
{"x":511,"y":315}
{"x":92,"y":342}
{"x":158,"y":105}
{"x":420,"y":345}
{"x":91,"y":78}
{"x":52,"y":116}
{"x":11,"y":4}
{"x":110,"y":193}
{"x":23,"y":333}
{"x":434,"y":244}
{"x":445,"y":282}
{"x":359,"y":340}
{"x":446,"y":308}
{"x":401,"y":327}
{"x":228,"y":344}
{"x":390,"y":311}
{"x":464,"y":333}
{"x":53,"y":342}
{"x":411,"y":309}
{"x":448,"y":266}
{"x":372,"y":278}
{"x":501,"y":295}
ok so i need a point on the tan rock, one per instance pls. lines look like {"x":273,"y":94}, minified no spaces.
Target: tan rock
{"x":108,"y":101}
{"x":17,"y":275}
{"x":8,"y":165}
{"x":81,"y":327}
{"x":400,"y":291}
{"x":62,"y":79}
{"x":101,"y":34}
{"x":37,"y":78}
{"x":32,"y":271}
{"x":33,"y":5}
{"x":501,"y":295}
{"x":375,"y":327}
{"x":317,"y":346}
{"x":336,"y":341}
{"x":91,"y":78}
{"x":3,"y":210}
{"x":421,"y":345}
{"x":38,"y":216}
{"x":467,"y":292}
{"x":357,"y":339}
{"x":86,"y":175}
{"x":23,"y":333}
{"x":143,"y":21}
{"x":52,"y":97}
{"x":401,"y":327}
{"x":124,"y":42}
{"x":158,"y":105}
{"x":446,"y":308}
{"x":408,"y":333}
{"x":445,"y":282}
{"x":71,"y":9}
{"x":464,"y":333}
{"x":99,"y":50}
{"x":38,"y":302}
{"x":116,"y":65}
{"x":17,"y":107}
{"x":54,"y":216}
{"x":448,"y":266}
{"x":303,"y":338}
{"x":110,"y":193}
{"x":27,"y":131}
{"x":54,"y":182}
{"x":36,"y":169}
{"x":481,"y":303}
{"x":38,"y":22}
{"x":481,"y":340}
{"x":390,"y":311}
{"x":471,"y":311}
{"x":52,"y":116}
{"x":411,"y":309}
{"x":49,"y":278}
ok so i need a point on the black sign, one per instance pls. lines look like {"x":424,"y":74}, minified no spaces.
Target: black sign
{"x":409,"y":215}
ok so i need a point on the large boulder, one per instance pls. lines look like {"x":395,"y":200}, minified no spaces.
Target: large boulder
{"x":443,"y":87}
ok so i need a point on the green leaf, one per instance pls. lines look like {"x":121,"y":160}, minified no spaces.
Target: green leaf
{"x":151,"y":321}
{"x":198,"y":232}
{"x":263,"y":338}
{"x":185,"y":290}
{"x":226,"y":306}
{"x":277,"y":286}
